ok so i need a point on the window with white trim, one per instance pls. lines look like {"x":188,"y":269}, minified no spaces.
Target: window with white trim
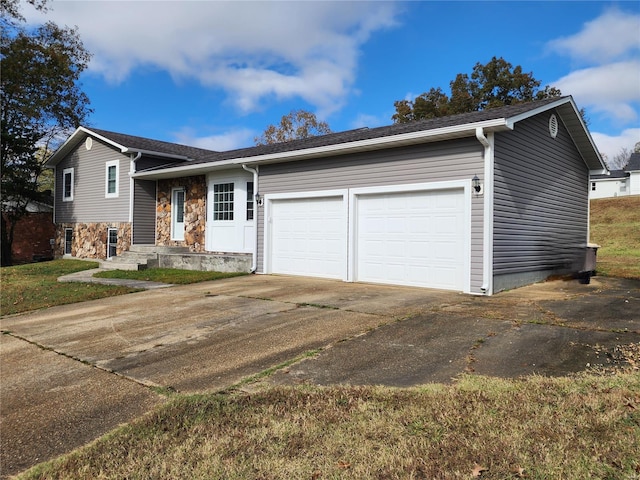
{"x":67,"y":184}
{"x":249,"y":200}
{"x":111,"y":179}
{"x":223,"y":201}
{"x":593,"y":186}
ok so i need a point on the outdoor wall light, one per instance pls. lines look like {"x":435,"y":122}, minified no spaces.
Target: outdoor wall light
{"x":475,"y":183}
{"x":258,"y":199}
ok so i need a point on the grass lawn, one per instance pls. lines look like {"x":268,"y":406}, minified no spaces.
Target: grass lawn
{"x":167,"y":275}
{"x":615,"y":226}
{"x":536,"y":428}
{"x":35,"y":285}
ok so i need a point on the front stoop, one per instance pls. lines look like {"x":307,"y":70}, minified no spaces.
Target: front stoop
{"x":141,"y":257}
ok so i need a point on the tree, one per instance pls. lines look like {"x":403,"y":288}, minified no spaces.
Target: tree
{"x":492,"y":85}
{"x":298,"y":124}
{"x":621,"y":159}
{"x":41,"y":100}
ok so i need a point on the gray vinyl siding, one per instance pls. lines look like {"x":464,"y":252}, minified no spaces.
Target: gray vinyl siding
{"x":89,"y":203}
{"x":144,"y":212}
{"x":443,"y":161}
{"x":541,"y":203}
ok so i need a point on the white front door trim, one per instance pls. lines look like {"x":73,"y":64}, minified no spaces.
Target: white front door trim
{"x":354,"y":193}
{"x":268,"y":220}
{"x":177,"y":216}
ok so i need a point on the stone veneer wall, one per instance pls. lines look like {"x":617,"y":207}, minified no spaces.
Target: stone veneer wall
{"x":195,"y":213}
{"x":90,"y":239}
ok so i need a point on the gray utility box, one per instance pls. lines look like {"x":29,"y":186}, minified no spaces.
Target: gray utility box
{"x":589,"y":265}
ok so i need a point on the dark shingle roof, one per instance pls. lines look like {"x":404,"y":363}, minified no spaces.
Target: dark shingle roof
{"x":379,"y":132}
{"x":140,"y":143}
{"x":612,"y":174}
{"x":634,"y":162}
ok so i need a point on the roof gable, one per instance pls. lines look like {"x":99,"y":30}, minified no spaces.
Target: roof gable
{"x":634,"y":163}
{"x":129,"y":144}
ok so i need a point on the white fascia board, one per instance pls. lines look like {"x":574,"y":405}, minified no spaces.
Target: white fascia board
{"x":455,"y":131}
{"x":73,"y":140}
{"x":511,"y":121}
{"x":603,"y":172}
{"x":199,"y":168}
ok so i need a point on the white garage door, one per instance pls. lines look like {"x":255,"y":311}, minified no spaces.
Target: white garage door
{"x":412,"y":238}
{"x":308,"y":237}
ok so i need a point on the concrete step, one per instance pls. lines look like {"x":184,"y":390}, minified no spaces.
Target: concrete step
{"x":158,"y":249}
{"x":114,"y":264}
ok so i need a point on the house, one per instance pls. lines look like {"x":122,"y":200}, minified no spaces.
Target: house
{"x":617,"y":183}
{"x":33,"y":232}
{"x":477,"y":203}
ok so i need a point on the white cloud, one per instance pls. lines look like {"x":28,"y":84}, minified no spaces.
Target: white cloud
{"x":222,"y":142}
{"x":609,"y":37}
{"x":610,"y":89}
{"x":371,"y":121}
{"x":253,"y":50}
{"x":608,"y":82}
{"x":612,"y":145}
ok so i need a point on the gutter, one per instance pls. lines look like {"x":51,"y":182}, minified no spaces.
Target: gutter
{"x":254,"y":261}
{"x":487,"y":260}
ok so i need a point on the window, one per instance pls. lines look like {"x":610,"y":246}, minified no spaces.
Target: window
{"x":249,"y":200}
{"x":178,"y":198}
{"x":68,"y":240}
{"x":112,"y":242}
{"x":67,"y":184}
{"x":593,"y":186}
{"x":223,"y":201}
{"x":112,"y":183}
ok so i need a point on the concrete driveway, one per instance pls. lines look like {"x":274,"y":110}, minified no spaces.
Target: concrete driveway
{"x":72,"y":373}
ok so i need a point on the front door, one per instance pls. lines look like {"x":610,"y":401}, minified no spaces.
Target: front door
{"x":230,"y":213}
{"x":177,"y":214}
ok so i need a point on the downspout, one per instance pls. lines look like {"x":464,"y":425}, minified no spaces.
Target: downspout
{"x":254,"y":261}
{"x":132,"y":170}
{"x":487,"y":260}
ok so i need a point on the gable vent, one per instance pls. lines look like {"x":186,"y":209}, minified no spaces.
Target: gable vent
{"x":88,"y":143}
{"x":553,"y":126}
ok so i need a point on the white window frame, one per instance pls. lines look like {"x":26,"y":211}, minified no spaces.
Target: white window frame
{"x":108,"y":165}
{"x":64,"y":184}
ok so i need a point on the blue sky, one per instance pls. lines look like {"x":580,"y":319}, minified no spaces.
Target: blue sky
{"x":215,"y":74}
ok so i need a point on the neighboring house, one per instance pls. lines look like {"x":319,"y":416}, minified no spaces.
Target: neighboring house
{"x":33,"y":234}
{"x":617,"y":183}
{"x":477,"y":202}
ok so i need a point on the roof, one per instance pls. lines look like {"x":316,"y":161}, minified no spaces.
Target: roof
{"x":192,"y":161}
{"x":129,"y":144}
{"x":612,"y":175}
{"x":634,"y":163}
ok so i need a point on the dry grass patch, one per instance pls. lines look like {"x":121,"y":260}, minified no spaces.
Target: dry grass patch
{"x":615,"y":226}
{"x":35,"y":285}
{"x":168,"y":275}
{"x":571,"y":428}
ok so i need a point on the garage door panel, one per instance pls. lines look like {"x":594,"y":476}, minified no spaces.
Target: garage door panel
{"x":308,"y":237}
{"x":412,"y":238}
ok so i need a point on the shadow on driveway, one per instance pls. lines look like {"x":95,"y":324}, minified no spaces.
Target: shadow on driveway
{"x":72,"y":373}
